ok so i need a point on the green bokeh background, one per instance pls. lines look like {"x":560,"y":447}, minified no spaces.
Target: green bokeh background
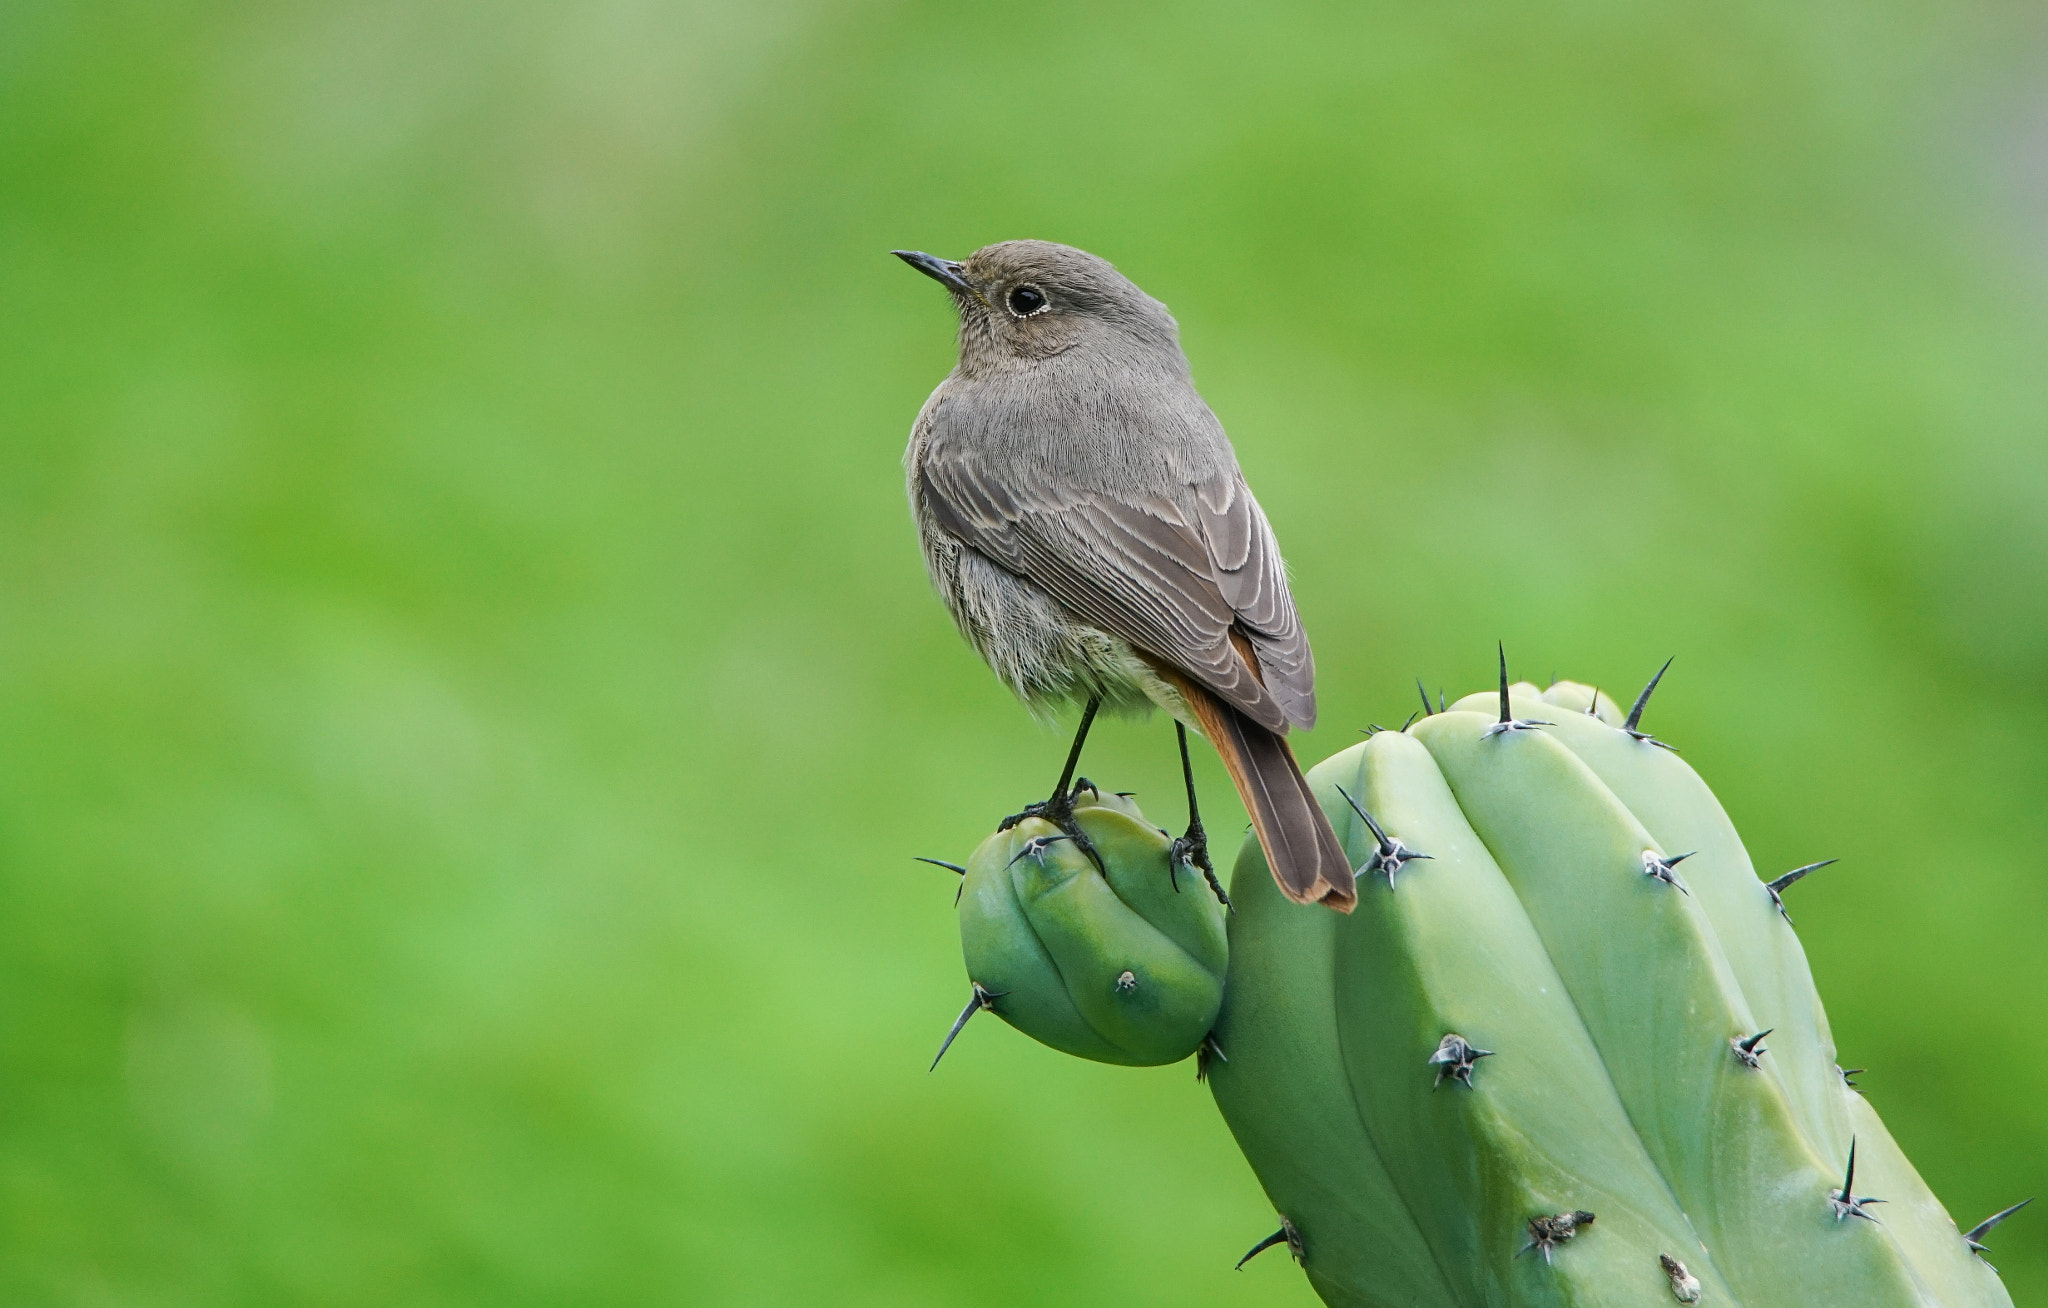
{"x":469,"y":696}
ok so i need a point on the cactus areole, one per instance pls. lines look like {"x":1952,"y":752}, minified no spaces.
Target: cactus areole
{"x":1530,"y":1069}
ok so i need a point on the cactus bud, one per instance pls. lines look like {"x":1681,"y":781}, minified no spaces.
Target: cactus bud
{"x":1108,"y":963}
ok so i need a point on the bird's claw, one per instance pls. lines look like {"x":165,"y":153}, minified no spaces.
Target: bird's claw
{"x":1191,"y":849}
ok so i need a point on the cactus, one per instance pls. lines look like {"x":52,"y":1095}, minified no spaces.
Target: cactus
{"x":1118,"y":957}
{"x":1567,"y":1049}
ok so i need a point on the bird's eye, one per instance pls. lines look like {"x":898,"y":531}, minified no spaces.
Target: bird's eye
{"x":1026,"y":300}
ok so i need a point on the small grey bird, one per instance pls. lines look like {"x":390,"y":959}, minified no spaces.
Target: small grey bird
{"x":1084,"y":518}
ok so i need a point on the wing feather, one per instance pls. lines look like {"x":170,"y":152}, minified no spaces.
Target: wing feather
{"x":1252,"y":578}
{"x":1172,"y":579}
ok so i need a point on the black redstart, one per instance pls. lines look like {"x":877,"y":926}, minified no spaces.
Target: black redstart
{"x":1084,"y":518}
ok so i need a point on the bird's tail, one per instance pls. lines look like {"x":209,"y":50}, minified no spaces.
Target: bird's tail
{"x":1302,"y":850}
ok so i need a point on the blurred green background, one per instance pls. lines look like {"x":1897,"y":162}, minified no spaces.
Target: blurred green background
{"x":469,"y":695}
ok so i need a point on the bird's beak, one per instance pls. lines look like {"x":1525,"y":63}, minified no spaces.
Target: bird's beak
{"x":944,"y":271}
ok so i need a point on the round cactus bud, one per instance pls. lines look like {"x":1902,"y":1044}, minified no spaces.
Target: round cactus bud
{"x":1121,"y":962}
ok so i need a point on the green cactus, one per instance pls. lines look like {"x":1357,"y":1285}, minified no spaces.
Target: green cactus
{"x":1588,"y":916}
{"x":1120,"y":961}
{"x":1567,"y":1050}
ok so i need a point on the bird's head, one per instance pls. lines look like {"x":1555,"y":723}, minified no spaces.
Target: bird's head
{"x":1024,"y":301}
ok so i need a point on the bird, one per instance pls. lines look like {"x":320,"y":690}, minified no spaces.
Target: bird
{"x":1084,"y":518}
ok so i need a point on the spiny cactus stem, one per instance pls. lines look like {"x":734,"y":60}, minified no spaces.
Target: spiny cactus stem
{"x":1777,"y":888}
{"x":1635,"y":715}
{"x":1847,"y":1073}
{"x":1751,"y":1049}
{"x":1546,"y":1233}
{"x":1388,"y":855}
{"x":1508,"y":721}
{"x":1974,"y":1237}
{"x":980,"y":999}
{"x":1846,"y":1202}
{"x":1655,"y":865}
{"x":1286,"y":1235}
{"x":1593,"y":709}
{"x":1455,"y":1057}
{"x":1208,"y":1050}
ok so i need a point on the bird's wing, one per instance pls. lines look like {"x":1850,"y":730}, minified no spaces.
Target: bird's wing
{"x":1253,"y":581}
{"x":1142,"y":571}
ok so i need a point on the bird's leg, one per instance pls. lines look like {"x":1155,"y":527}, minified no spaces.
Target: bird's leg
{"x":1193,"y":846}
{"x":1059,"y":809}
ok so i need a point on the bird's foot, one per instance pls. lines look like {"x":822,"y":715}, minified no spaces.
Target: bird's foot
{"x":1192,"y":850}
{"x":1059,"y":811}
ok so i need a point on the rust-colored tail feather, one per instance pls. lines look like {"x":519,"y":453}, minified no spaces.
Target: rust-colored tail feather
{"x":1302,"y":850}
